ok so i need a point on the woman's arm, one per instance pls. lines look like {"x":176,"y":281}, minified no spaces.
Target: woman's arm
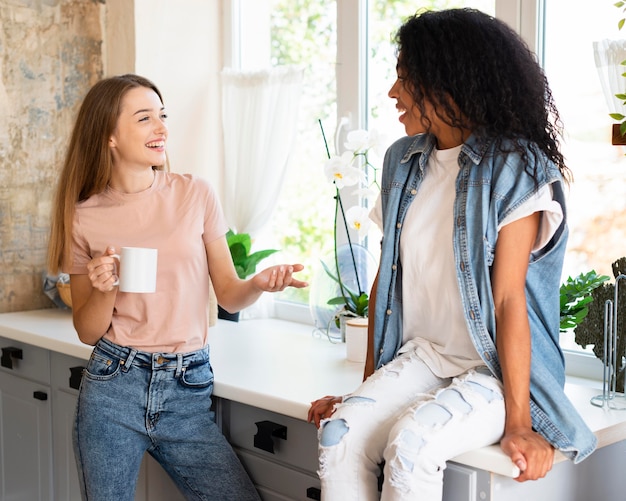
{"x":234,"y":294}
{"x":526,"y":448}
{"x":93,"y":298}
{"x":371,"y":310}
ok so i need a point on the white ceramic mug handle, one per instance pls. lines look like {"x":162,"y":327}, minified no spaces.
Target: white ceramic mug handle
{"x":117,"y":282}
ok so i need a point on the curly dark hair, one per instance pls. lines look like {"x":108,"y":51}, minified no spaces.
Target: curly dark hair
{"x":487,"y":70}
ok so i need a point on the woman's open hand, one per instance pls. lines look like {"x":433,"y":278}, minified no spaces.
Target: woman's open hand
{"x":278,"y":278}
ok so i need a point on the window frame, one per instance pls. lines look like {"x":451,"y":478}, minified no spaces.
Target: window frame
{"x":525,"y":16}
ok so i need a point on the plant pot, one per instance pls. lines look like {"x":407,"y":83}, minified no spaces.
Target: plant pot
{"x":356,"y":339}
{"x":224,"y":315}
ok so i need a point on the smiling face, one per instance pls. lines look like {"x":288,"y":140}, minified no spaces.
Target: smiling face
{"x":410,"y":115}
{"x":140,"y":135}
{"x":416,"y":122}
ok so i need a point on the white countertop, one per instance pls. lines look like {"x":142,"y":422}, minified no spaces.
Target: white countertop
{"x":282,"y":366}
{"x":272,"y":364}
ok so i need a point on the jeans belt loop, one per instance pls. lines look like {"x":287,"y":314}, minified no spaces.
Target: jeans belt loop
{"x":179,"y":365}
{"x":129,"y":360}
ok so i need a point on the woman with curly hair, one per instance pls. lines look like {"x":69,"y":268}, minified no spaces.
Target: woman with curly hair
{"x":464,"y":338}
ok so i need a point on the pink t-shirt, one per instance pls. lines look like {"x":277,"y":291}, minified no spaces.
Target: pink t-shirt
{"x":177,"y":215}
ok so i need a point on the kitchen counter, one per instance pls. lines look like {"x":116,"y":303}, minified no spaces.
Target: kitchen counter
{"x":271,"y":364}
{"x":282,"y":366}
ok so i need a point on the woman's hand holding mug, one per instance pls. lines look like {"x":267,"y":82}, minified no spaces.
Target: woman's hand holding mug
{"x":133,"y":270}
{"x":137,"y":269}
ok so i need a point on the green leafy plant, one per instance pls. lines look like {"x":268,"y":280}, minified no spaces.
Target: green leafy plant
{"x":591,"y":330}
{"x":575,"y":296}
{"x":356,"y":303}
{"x":621,"y":5}
{"x":240,"y":245}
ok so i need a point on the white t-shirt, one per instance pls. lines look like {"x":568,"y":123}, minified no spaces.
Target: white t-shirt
{"x":433,"y":320}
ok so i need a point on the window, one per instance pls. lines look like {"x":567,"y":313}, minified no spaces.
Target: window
{"x":384,"y":18}
{"x":349,"y":58}
{"x":597,"y":212}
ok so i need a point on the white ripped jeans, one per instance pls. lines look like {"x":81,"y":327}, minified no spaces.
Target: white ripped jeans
{"x":413,"y":420}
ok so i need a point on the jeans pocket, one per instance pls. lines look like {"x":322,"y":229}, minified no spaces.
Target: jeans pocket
{"x":197,"y":376}
{"x":102,"y":366}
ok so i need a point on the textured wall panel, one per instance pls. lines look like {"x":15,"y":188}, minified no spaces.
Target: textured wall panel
{"x":50,"y":54}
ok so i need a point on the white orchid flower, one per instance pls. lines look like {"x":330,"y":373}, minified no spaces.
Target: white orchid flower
{"x":341,"y":171}
{"x":357,"y":141}
{"x":378,"y":144}
{"x":368,"y":193}
{"x":357,"y":218}
{"x":361,"y":141}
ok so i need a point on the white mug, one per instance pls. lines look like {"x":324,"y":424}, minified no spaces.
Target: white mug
{"x":137,"y":269}
{"x":356,"y":339}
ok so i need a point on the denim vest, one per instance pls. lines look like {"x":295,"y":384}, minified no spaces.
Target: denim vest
{"x":489,"y":186}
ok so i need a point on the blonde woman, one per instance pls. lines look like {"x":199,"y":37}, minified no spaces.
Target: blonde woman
{"x":148,"y":384}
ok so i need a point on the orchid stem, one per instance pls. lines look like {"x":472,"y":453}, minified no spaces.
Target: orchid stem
{"x":339,"y":205}
{"x":345,"y":224}
{"x":324,"y":137}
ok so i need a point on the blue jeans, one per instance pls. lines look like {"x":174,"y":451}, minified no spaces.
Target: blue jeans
{"x":414,"y":421}
{"x":131,"y":402}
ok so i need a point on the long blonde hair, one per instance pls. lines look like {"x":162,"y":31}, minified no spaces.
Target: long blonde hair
{"x":88,"y":162}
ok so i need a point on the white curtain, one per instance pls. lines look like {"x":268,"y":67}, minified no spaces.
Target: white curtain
{"x":608,"y":55}
{"x":259,"y":111}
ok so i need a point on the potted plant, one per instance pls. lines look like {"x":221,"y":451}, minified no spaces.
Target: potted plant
{"x":240,"y":245}
{"x":590,"y":330}
{"x":352,"y":168}
{"x":576,"y":296}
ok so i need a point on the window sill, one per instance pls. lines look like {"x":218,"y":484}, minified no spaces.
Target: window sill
{"x":577,"y":364}
{"x":583,"y":365}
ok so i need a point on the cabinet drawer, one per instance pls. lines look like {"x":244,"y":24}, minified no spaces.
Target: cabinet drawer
{"x":462,"y":483}
{"x":25,"y":439}
{"x":275,"y":481}
{"x":24,"y":360}
{"x":298,"y":447}
{"x":66,"y":371}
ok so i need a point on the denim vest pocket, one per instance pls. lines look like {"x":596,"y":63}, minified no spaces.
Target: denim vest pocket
{"x":197,"y":376}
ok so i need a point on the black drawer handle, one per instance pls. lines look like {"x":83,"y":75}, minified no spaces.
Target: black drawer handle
{"x":40,"y":395}
{"x":76,"y":375}
{"x":266,"y":432}
{"x":8,"y":354}
{"x":314,"y":493}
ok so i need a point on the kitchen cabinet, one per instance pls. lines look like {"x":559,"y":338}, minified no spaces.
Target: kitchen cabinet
{"x":66,"y":374}
{"x":280,"y":454}
{"x":278,"y":451}
{"x":599,"y":477}
{"x":38,"y":393}
{"x":25,"y":423}
{"x":266,"y":373}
